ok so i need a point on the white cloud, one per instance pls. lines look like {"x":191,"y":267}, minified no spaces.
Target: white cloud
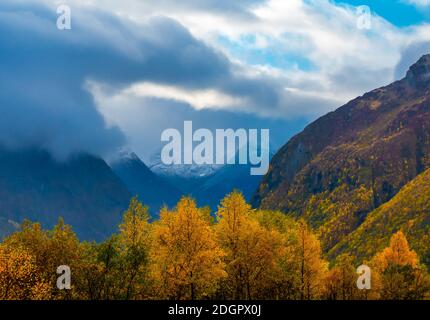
{"x":344,"y":61}
{"x":198,"y":99}
{"x":419,"y":3}
{"x":319,"y":31}
{"x":309,"y":53}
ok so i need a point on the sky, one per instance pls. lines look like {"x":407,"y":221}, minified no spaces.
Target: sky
{"x":127,"y":70}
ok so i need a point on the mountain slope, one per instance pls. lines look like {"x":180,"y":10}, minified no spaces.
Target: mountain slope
{"x":151,"y":189}
{"x":83,"y":190}
{"x":408,"y":211}
{"x":181,"y":170}
{"x":349,"y":162}
{"x":186,"y":177}
{"x":226,"y":179}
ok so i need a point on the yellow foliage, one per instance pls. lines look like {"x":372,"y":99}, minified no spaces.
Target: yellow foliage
{"x":19,"y":277}
{"x":250,"y":249}
{"x":312,"y":268}
{"x":396,"y":272}
{"x":186,"y":254}
{"x":186,"y":260}
{"x":397,"y":253}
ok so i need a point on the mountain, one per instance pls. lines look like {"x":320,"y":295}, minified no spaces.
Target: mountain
{"x":409,"y":211}
{"x":227,"y":179}
{"x":349,"y":162}
{"x":185,"y":177}
{"x":224,"y":181}
{"x":152,"y":190}
{"x":181,"y":170}
{"x":83,"y":190}
{"x":209,"y":184}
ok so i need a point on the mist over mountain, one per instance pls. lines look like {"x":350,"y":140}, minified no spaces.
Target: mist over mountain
{"x":92,"y":195}
{"x":83,"y":190}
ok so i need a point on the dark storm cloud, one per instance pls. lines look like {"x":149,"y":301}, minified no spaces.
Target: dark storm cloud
{"x":42,"y":99}
{"x":43,"y":71}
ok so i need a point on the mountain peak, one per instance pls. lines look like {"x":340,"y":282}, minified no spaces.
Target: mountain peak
{"x":419,"y":73}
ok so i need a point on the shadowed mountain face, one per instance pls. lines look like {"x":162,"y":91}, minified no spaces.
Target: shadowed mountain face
{"x":209,"y":184}
{"x":227,"y":179}
{"x":224,"y":181}
{"x":83,"y":190}
{"x":91,"y":195}
{"x":153,"y":190}
{"x":352,"y":160}
{"x":208,"y":189}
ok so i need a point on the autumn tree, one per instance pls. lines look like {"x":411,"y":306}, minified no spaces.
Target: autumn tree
{"x":285,"y":284}
{"x":186,"y":260}
{"x":243,"y":253}
{"x":117,"y":268}
{"x":133,"y":244}
{"x":50,"y":249}
{"x":397,"y":272}
{"x":306,"y":255}
{"x":341,"y":280}
{"x":250,"y":249}
{"x":88,"y":280}
{"x":63,"y":250}
{"x":19,"y":276}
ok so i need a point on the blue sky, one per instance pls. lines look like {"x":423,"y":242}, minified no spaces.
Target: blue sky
{"x":398,"y":12}
{"x":257,"y":56}
{"x":129,"y":69}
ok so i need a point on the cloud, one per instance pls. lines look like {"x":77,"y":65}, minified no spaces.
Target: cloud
{"x":41,"y":97}
{"x":43,"y":94}
{"x":419,"y":3}
{"x":287,"y":60}
{"x":151,"y":116}
{"x":410,"y":55}
{"x":273,"y":46}
{"x":198,"y":99}
{"x":130,"y":62}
